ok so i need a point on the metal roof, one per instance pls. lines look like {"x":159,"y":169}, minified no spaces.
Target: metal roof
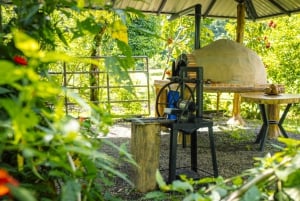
{"x":255,"y":9}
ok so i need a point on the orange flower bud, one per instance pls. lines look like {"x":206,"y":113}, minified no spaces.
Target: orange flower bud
{"x":169,"y":41}
{"x":5,"y":179}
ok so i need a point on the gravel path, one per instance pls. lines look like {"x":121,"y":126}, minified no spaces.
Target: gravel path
{"x":235,"y":150}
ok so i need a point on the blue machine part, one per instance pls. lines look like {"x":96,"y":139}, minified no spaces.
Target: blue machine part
{"x":172,"y":98}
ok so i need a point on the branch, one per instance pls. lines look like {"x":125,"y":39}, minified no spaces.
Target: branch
{"x":238,"y":193}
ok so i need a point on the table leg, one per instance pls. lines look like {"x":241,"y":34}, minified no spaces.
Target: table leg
{"x":261,"y":137}
{"x":213,"y":151}
{"x":194,"y":151}
{"x":172,"y":155}
{"x":282,"y":118}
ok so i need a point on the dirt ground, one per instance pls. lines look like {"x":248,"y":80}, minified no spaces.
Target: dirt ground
{"x":235,"y":150}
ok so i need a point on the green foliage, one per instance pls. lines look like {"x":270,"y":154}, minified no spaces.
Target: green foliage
{"x":177,"y":37}
{"x":276,"y":41}
{"x":53,"y":156}
{"x":144,"y":36}
{"x":273,"y":178}
{"x":48,"y":152}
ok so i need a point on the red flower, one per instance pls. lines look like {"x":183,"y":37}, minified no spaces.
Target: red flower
{"x":271,"y":23}
{"x":5,"y":179}
{"x":20,"y":60}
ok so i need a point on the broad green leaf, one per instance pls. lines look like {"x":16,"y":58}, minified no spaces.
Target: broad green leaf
{"x":80,"y":3}
{"x":156,"y":195}
{"x":291,"y":173}
{"x":71,"y":191}
{"x":21,"y":193}
{"x":237,"y":181}
{"x":161,"y":183}
{"x":289,"y":141}
{"x":9,"y":72}
{"x":195,"y":196}
{"x":119,"y":31}
{"x":293,"y":179}
{"x":253,"y":194}
{"x":221,"y":191}
{"x":31,"y":12}
{"x":4,"y":90}
{"x":293,"y":192}
{"x":61,"y":36}
{"x":181,"y":186}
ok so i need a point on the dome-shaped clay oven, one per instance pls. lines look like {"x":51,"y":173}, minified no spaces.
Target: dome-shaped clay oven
{"x":227,"y":61}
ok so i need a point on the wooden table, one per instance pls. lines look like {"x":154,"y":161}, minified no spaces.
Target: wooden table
{"x":224,"y":88}
{"x":263,"y":101}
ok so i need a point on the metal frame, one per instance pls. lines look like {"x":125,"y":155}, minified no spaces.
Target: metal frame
{"x":66,"y":74}
{"x":190,"y":127}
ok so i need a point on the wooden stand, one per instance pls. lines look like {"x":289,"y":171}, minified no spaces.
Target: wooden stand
{"x":145,"y":148}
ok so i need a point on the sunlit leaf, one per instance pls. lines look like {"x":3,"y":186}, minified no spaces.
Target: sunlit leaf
{"x":293,"y":192}
{"x":56,"y":56}
{"x":289,"y":141}
{"x":26,"y":44}
{"x":9,"y":72}
{"x":80,"y":3}
{"x":119,"y":31}
{"x":161,"y":183}
{"x":237,"y":181}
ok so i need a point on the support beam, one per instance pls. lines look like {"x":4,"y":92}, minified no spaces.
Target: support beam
{"x":241,"y":9}
{"x":210,"y":6}
{"x":280,"y":7}
{"x":251,"y":12}
{"x":183,"y":12}
{"x":161,"y":6}
{"x":197,"y":44}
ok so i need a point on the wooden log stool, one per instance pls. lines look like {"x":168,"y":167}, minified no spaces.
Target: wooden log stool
{"x":145,"y":148}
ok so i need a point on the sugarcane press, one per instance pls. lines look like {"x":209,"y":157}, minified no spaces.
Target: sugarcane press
{"x":181,"y":101}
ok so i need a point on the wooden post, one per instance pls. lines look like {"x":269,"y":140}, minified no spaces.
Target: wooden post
{"x":145,"y":148}
{"x":236,"y":117}
{"x":273,"y":114}
{"x":240,"y":22}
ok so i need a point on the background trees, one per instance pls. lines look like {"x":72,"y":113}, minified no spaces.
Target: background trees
{"x":55,"y":156}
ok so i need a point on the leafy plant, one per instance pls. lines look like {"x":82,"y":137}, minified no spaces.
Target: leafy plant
{"x":53,"y":156}
{"x":273,"y":178}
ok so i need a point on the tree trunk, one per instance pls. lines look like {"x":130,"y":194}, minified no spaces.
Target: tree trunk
{"x":94,"y":70}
